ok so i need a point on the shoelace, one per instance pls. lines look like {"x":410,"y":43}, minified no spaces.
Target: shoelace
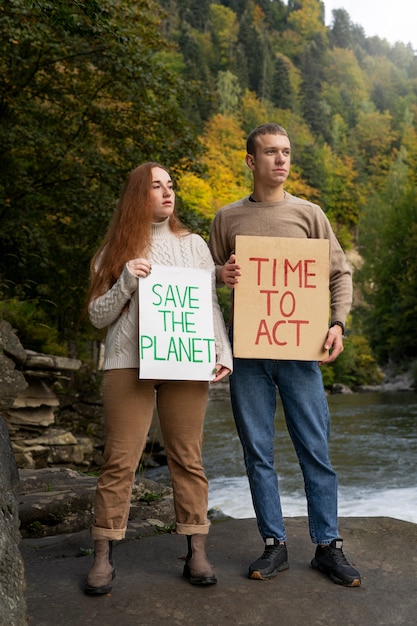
{"x":271,"y":551}
{"x":338,"y":556}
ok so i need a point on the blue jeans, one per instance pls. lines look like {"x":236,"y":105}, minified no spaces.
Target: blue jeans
{"x":253,"y":391}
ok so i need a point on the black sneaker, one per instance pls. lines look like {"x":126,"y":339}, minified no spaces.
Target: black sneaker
{"x":331,"y":560}
{"x":273,"y":560}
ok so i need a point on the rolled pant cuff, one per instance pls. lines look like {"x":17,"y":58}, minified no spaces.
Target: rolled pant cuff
{"x":112,"y":534}
{"x":192,"y":529}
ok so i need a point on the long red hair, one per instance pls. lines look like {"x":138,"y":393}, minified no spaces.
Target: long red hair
{"x":129,"y":233}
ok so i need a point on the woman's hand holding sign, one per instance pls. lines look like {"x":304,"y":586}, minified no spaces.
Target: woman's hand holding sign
{"x":220,"y":372}
{"x":139,"y":267}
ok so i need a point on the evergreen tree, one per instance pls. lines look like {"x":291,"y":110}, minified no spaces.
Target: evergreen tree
{"x":282,"y":93}
{"x":197,"y":75}
{"x":195,"y":13}
{"x":341,"y":29}
{"x":250,"y":40}
{"x":312,"y":71}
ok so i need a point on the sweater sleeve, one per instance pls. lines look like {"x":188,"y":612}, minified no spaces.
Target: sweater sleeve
{"x":223,"y":349}
{"x":105,"y":309}
{"x":340,"y":285}
{"x":218,"y":245}
{"x":340,"y":274}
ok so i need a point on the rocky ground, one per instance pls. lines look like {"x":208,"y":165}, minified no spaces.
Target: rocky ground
{"x":55,"y":501}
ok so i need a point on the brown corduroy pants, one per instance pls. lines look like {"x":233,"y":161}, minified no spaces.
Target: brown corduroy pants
{"x":128,"y":409}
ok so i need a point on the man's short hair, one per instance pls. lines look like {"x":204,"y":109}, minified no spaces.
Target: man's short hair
{"x":263,"y":129}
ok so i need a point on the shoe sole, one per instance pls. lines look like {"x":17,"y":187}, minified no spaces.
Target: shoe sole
{"x":100,"y":591}
{"x":355,"y":582}
{"x":202,"y":581}
{"x":256,"y":574}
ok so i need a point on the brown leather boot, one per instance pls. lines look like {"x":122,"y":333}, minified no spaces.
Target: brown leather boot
{"x":197,"y":567}
{"x":100,"y":576}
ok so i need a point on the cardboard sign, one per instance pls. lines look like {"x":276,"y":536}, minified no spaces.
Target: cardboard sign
{"x":281,"y":302}
{"x":176,"y":336}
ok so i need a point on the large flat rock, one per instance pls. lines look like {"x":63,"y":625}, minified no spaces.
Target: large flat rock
{"x":149,"y":589}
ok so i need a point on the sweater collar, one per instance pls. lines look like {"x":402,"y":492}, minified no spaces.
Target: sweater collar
{"x":160,"y":229}
{"x":252,"y":199}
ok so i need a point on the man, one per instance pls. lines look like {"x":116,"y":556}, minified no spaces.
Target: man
{"x":271,"y":211}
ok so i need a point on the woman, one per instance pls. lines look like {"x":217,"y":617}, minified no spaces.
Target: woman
{"x":145,"y":230}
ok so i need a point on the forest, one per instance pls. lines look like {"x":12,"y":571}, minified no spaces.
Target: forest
{"x":90,"y":89}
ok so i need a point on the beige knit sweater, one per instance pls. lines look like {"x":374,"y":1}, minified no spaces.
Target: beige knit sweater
{"x":291,"y":217}
{"x":110,"y":310}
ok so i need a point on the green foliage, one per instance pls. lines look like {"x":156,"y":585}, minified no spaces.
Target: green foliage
{"x":224,"y":296}
{"x":282,"y":92}
{"x":224,"y":26}
{"x":312,"y":70}
{"x":355,"y":367}
{"x":388,"y":239}
{"x":83,"y":99}
{"x":35,"y":527}
{"x":32,"y":323}
{"x":90,"y":89}
{"x":414,"y":373}
{"x":149,"y":497}
{"x":164,"y":529}
{"x":193,"y":219}
{"x":228,"y":93}
{"x":345,"y":87}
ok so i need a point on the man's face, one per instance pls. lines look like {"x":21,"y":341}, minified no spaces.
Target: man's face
{"x":271,"y":162}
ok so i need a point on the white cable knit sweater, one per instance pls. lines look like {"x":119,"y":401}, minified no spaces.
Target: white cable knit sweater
{"x":110,"y":310}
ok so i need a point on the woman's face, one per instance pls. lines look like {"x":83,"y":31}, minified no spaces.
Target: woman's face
{"x":162,"y":195}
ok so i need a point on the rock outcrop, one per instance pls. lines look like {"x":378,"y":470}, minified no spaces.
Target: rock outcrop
{"x":29,"y":405}
{"x":48,"y":428}
{"x":12,"y":583}
{"x":54,"y":501}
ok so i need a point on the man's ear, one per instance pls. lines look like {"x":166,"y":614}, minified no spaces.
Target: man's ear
{"x":250,"y":161}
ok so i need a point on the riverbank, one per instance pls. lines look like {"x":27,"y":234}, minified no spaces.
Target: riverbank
{"x":373,"y":448}
{"x":149,"y":589}
{"x":392,"y":382}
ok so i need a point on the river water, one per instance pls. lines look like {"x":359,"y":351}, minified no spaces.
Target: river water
{"x":373,"y":448}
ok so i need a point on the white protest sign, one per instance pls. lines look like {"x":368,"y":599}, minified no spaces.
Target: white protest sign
{"x":281,"y":302}
{"x":176,"y":336}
